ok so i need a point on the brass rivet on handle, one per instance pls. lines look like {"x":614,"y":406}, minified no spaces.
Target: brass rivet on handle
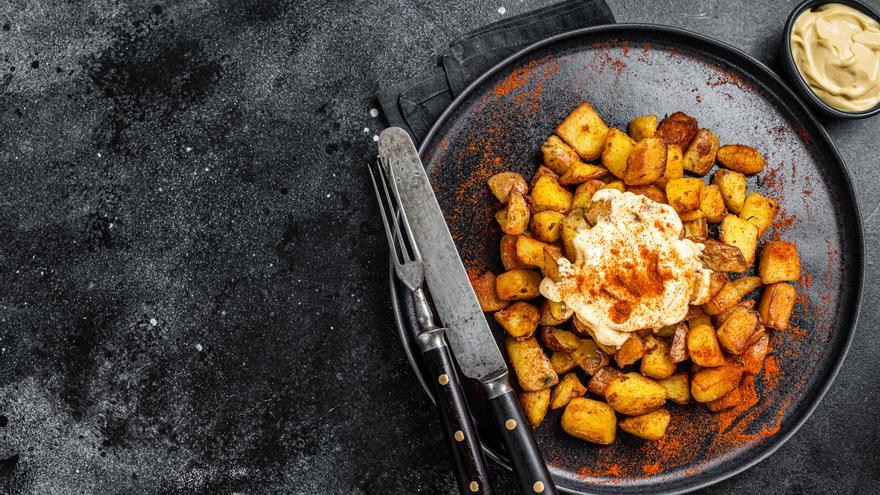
{"x":510,"y":424}
{"x":459,"y":436}
{"x":443,"y":379}
{"x":474,"y":486}
{"x":538,"y":487}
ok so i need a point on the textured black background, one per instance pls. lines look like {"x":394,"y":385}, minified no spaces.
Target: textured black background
{"x":193,"y":291}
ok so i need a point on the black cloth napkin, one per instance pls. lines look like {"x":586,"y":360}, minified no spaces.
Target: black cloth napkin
{"x":415,"y":104}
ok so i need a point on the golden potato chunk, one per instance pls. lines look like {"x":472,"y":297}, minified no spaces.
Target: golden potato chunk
{"x":616,"y":152}
{"x":557,"y":339}
{"x":579,"y":173}
{"x":709,"y":384}
{"x":720,"y":257}
{"x":562,"y":362}
{"x":515,"y":218}
{"x":531,"y":366}
{"x":602,"y":378}
{"x":584,"y":131}
{"x":554,"y":313}
{"x":570,"y":387}
{"x":696,"y":230}
{"x":590,"y":420}
{"x":741,"y":396}
{"x":519,"y":320}
{"x":733,"y":188}
{"x":741,"y":158}
{"x":530,"y":251}
{"x":736,"y":333}
{"x":649,"y":426}
{"x":501,"y":184}
{"x":507,"y":249}
{"x":732,"y":293}
{"x":651,"y":192}
{"x":583,"y":195}
{"x":552,"y":254}
{"x":779,"y":263}
{"x":484,"y":288}
{"x":643,"y":127}
{"x":699,"y":156}
{"x":634,"y":395}
{"x":752,"y":358}
{"x":776,"y":305}
{"x":684,"y":194}
{"x":678,"y":129}
{"x":589,"y":356}
{"x":646,"y":162}
{"x":546,"y":225}
{"x":657,"y":362}
{"x":702,"y":343}
{"x":674,"y":165}
{"x":573,"y":223}
{"x":547,"y":194}
{"x":543,"y":171}
{"x":720,"y":318}
{"x":712,"y":204}
{"x":518,"y":284}
{"x":678,"y":388}
{"x":631,"y":351}
{"x":760,"y":211}
{"x":739,"y":233}
{"x":557,"y":155}
{"x":615,"y":184}
{"x":534,"y":405}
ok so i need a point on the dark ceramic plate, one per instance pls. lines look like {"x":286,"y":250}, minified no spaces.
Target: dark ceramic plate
{"x":624,"y":71}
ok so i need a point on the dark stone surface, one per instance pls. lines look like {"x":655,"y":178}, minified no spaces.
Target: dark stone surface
{"x":193,"y":294}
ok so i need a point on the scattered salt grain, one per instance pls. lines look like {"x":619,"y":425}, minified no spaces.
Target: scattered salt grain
{"x":375,"y":137}
{"x":502,"y":10}
{"x":153,"y":322}
{"x":374,"y":113}
{"x":366,"y":130}
{"x":199,"y":347}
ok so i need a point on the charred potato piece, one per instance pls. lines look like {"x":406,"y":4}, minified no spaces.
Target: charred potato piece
{"x":631,"y":351}
{"x":584,"y":131}
{"x":557,"y":155}
{"x":580,"y":172}
{"x":696,"y":230}
{"x":702,"y":343}
{"x":709,"y":384}
{"x":530,"y":251}
{"x":678,"y":129}
{"x":556,"y":339}
{"x":736,"y":333}
{"x":649,"y":426}
{"x":741,"y":158}
{"x":721,"y":257}
{"x":501,"y":184}
{"x":519,"y":320}
{"x":712,"y":204}
{"x":776,"y":305}
{"x":684,"y":194}
{"x":547,"y":194}
{"x":699,"y":156}
{"x":646,"y":162}
{"x":651,"y":192}
{"x":518,"y":284}
{"x":643,"y":127}
{"x":554,"y":313}
{"x":602,"y":378}
{"x":657,"y":362}
{"x":583,"y":195}
{"x":616,"y":152}
{"x":634,"y":395}
{"x":545,"y":225}
{"x":562,"y":362}
{"x":733,"y":188}
{"x":731,"y":294}
{"x":779,"y":263}
{"x":515,"y":218}
{"x":590,"y":420}
{"x":569,"y":388}
{"x":532,"y":367}
{"x":678,"y":388}
{"x":589,"y":356}
{"x":678,"y":350}
{"x":737,"y":232}
{"x":760,"y":211}
{"x":534,"y":405}
{"x":573,"y":222}
{"x":508,"y":253}
{"x":752,"y":358}
{"x":484,"y":288}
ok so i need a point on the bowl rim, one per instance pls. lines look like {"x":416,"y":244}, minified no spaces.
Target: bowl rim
{"x":795,"y":75}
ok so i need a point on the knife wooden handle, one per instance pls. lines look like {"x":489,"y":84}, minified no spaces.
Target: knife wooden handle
{"x":528,"y":463}
{"x":464,"y":445}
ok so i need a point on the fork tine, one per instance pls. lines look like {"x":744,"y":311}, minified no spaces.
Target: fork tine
{"x":392,"y":246}
{"x":397,"y":214}
{"x":404,"y":220}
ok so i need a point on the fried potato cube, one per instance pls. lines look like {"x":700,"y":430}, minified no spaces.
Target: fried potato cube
{"x":484,"y":288}
{"x":643,"y":127}
{"x":546,"y":225}
{"x":554,"y":313}
{"x":710,"y":384}
{"x":736,"y":333}
{"x":760,"y":211}
{"x":744,"y":395}
{"x":678,"y":129}
{"x":678,"y":388}
{"x":557,"y":155}
{"x":519,"y":320}
{"x":664,"y":331}
{"x":721,"y":257}
{"x":515,"y":218}
{"x":583,"y":195}
{"x":696,"y":230}
{"x":649,"y":426}
{"x":752,"y":358}
{"x":549,"y":195}
{"x":634,"y":395}
{"x":720,"y":318}
{"x":657,"y":362}
{"x":507,"y":249}
{"x":584,"y":131}
{"x":502,"y":183}
{"x":518,"y":284}
{"x":733,"y":188}
{"x":573,"y":222}
{"x":631,"y":351}
{"x":651,"y":192}
{"x":534,"y":405}
{"x":691,"y":216}
{"x":543,"y":171}
{"x":530,"y":251}
{"x":674,"y":165}
{"x":712,"y":204}
{"x":562,"y":362}
{"x":616,"y":152}
{"x":741,"y":158}
{"x":684,"y":193}
{"x":731,"y":294}
{"x":779,"y":263}
{"x":615,"y":184}
{"x":570,"y":387}
{"x":557,"y":339}
{"x":532,"y":367}
{"x":590,"y":420}
{"x":699,"y":157}
{"x":776,"y":305}
{"x":646,"y":162}
{"x":602,"y":378}
{"x":552,"y":254}
{"x":737,"y":232}
{"x":702,"y":343}
{"x":589,"y":356}
{"x":678,"y":348}
{"x":579,"y":173}
{"x":717,"y":281}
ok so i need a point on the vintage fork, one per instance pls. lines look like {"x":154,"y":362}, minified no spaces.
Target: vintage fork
{"x":470,"y":466}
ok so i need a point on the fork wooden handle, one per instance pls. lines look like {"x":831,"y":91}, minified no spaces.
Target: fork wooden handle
{"x":464,"y":445}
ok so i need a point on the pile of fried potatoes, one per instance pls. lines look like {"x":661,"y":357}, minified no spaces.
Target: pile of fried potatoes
{"x":703,"y":358}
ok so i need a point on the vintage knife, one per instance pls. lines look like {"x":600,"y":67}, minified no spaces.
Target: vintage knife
{"x":468,"y":332}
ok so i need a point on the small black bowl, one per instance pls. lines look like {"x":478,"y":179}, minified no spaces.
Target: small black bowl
{"x":794,"y":75}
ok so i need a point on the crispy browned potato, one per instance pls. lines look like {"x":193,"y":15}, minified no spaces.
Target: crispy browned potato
{"x":777,"y":303}
{"x":519,"y":320}
{"x":741,"y":158}
{"x":651,"y":192}
{"x":733,"y":188}
{"x":547,"y":194}
{"x":649,"y":426}
{"x":484,"y":288}
{"x":557,"y":339}
{"x":646,"y":162}
{"x":546,"y":225}
{"x":616,"y":151}
{"x":709,"y":384}
{"x":760,"y":211}
{"x":721,"y":257}
{"x":678,"y":350}
{"x":700,"y":154}
{"x":678,"y":387}
{"x":590,"y":420}
{"x":554,"y":313}
{"x":530,"y":251}
{"x":753,"y":357}
{"x":633,"y":394}
{"x":657,"y":362}
{"x":589,"y":357}
{"x":696,"y":230}
{"x":581,"y":172}
{"x":678,"y":129}
{"x":569,"y":388}
{"x":717,"y":281}
{"x":631,"y":351}
{"x":557,"y":155}
{"x":584,"y":131}
{"x":571,"y":225}
{"x":518,"y":284}
{"x":712,"y":204}
{"x":684,"y":194}
{"x":562,"y":362}
{"x":532,"y":367}
{"x":737,"y":232}
{"x":515,"y":218}
{"x":643,"y":127}
{"x":779,"y":263}
{"x":535,"y":406}
{"x":583,"y":195}
{"x":719,"y":318}
{"x":502,"y":183}
{"x":543,"y":171}
{"x":508,"y":253}
{"x":735,"y":334}
{"x":731,"y":294}
{"x":602,"y":378}
{"x":674,"y":165}
{"x":702,"y":343}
